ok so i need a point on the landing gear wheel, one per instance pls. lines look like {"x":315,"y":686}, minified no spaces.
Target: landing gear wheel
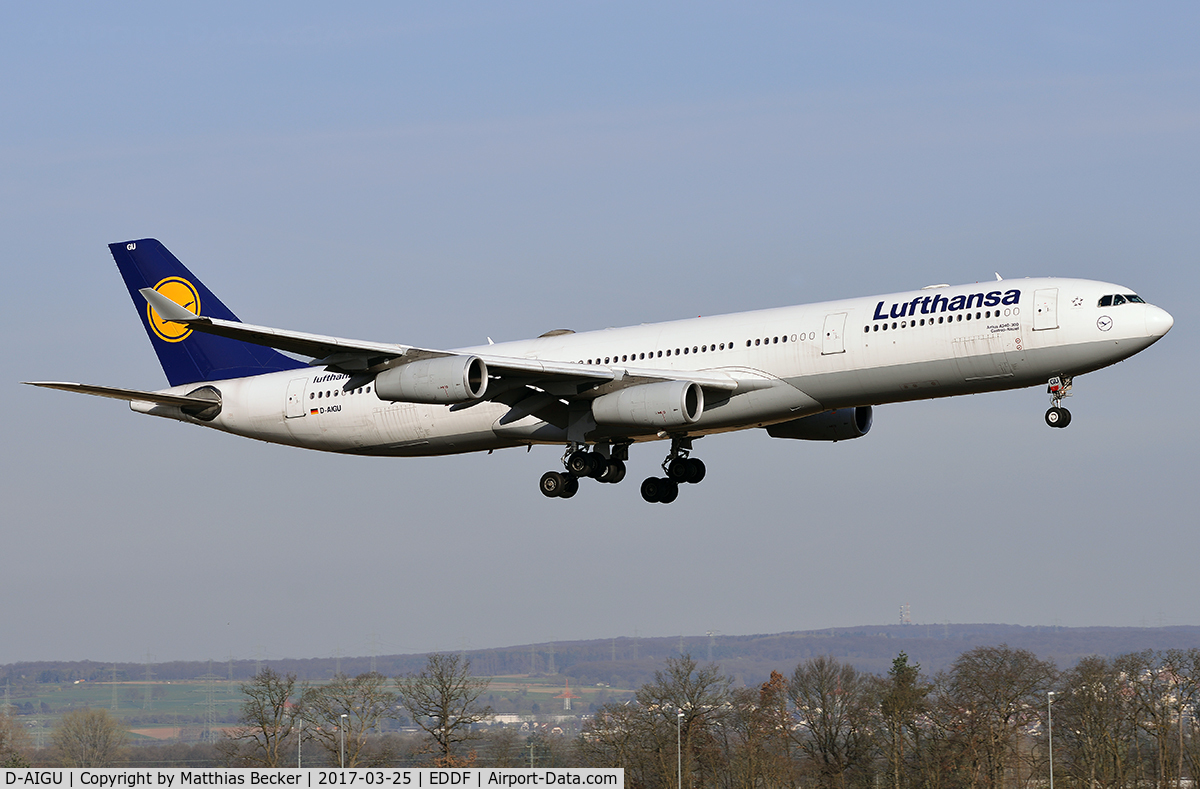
{"x":599,"y":466}
{"x":677,"y":470}
{"x":553,"y":484}
{"x":580,"y":463}
{"x":570,"y":488}
{"x":1058,"y":417}
{"x":1059,"y":389}
{"x":614,"y":472}
{"x":659,"y":489}
{"x":695,"y":470}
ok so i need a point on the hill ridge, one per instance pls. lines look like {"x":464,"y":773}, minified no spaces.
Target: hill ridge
{"x":629,"y":661}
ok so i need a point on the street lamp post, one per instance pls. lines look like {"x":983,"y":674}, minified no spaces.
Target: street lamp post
{"x":342,"y":732}
{"x":679,"y":749}
{"x":1050,"y":732}
{"x":299,"y":743}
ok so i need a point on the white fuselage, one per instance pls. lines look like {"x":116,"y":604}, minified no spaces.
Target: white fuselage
{"x":790,"y":362}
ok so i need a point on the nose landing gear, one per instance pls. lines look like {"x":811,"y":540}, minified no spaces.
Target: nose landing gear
{"x":1058,"y":389}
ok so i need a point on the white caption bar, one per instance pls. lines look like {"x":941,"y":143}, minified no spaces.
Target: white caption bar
{"x":413,"y":778}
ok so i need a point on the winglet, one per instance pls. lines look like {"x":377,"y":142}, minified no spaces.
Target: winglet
{"x":167,"y":309}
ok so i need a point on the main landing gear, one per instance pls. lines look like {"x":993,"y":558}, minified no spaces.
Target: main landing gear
{"x":679,"y":468}
{"x":1058,"y":389}
{"x":602,"y":464}
{"x":607,"y":464}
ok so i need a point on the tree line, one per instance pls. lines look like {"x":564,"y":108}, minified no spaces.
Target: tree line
{"x":988,"y":721}
{"x":984,"y":723}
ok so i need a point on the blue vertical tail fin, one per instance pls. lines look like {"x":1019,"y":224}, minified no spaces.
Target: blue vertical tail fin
{"x":188,"y":356}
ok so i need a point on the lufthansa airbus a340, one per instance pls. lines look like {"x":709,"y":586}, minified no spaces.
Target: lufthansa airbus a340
{"x":809,"y":372}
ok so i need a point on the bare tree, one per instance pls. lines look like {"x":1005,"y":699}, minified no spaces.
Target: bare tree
{"x":998,"y":691}
{"x":757,"y":745}
{"x":89,"y":738}
{"x":1095,"y":725}
{"x":948,"y":751}
{"x":1189,"y":709}
{"x":627,"y":735}
{"x":266,"y":722}
{"x":1162,"y":687}
{"x":357,"y":705}
{"x":14,"y":742}
{"x":443,"y":699}
{"x":503,"y":747}
{"x":695,"y":699}
{"x":834,"y":706}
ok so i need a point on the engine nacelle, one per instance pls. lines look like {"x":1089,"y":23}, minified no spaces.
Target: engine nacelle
{"x":446,"y":379}
{"x":662,"y":405}
{"x":839,"y":424}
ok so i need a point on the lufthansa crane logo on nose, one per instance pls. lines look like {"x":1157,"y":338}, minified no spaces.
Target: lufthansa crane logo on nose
{"x":1104,"y":323}
{"x":184,"y":294}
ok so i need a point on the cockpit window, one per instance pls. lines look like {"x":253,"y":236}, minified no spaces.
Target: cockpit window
{"x":1119,"y":299}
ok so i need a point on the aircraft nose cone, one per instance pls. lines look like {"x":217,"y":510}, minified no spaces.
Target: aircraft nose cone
{"x":1158,"y":321}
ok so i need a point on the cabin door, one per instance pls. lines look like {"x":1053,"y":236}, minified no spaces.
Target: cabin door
{"x":295,"y":398}
{"x":834,"y":339}
{"x":1045,"y":309}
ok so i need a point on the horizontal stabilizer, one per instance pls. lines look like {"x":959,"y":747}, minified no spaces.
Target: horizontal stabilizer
{"x":133,"y":395}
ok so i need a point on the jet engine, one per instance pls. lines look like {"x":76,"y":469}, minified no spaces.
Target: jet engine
{"x":446,"y":379}
{"x":662,"y":405}
{"x":839,"y":424}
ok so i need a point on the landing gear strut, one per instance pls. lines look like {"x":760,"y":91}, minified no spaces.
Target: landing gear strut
{"x":679,"y":468}
{"x":602,"y":463}
{"x":1058,"y":389}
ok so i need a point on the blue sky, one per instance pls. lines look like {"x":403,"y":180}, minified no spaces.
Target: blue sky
{"x":431,"y":175}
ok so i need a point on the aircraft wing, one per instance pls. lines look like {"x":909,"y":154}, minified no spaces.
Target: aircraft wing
{"x":346,"y":355}
{"x":361,"y":359}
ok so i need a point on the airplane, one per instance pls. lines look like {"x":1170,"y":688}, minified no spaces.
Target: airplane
{"x":811,"y":372}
